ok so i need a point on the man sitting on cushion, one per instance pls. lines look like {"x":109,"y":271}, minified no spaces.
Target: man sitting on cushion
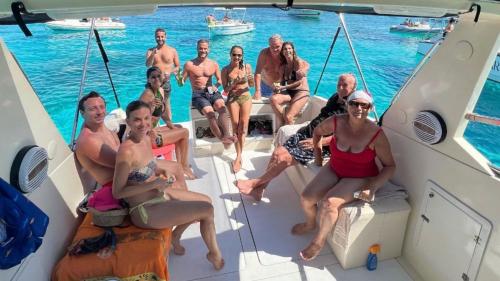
{"x":298,"y":147}
{"x":96,"y":149}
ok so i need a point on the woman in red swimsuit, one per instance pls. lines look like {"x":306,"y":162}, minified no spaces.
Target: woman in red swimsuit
{"x":355,"y":144}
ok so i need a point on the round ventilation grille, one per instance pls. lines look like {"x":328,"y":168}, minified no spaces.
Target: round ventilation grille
{"x":429,"y":127}
{"x":29,"y":169}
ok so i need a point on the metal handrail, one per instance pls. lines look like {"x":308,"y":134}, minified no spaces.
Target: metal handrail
{"x":82,"y":84}
{"x":358,"y":66}
{"x":474,"y":117}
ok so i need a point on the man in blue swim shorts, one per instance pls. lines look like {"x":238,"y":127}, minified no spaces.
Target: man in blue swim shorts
{"x":206,"y":96}
{"x":267,"y":70}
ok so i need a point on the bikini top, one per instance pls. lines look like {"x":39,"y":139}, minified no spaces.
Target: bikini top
{"x":238,"y":79}
{"x":142,"y":174}
{"x":350,"y":164}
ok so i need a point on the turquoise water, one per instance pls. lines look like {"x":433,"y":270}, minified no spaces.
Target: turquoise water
{"x":53,"y":60}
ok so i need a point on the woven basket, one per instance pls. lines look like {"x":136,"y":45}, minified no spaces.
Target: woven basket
{"x":108,"y":218}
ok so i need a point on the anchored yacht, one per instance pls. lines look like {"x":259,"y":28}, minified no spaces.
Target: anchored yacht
{"x":445,"y":227}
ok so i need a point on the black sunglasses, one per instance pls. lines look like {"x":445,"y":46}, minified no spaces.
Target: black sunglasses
{"x":237,"y":55}
{"x":361,"y":104}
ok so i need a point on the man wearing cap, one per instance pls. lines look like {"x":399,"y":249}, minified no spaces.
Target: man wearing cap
{"x":298,"y":147}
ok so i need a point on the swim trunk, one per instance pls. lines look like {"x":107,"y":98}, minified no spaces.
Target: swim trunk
{"x":265,"y":90}
{"x":201,"y":98}
{"x":167,"y":87}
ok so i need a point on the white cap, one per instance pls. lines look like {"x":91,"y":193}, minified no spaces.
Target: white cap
{"x":360,"y":94}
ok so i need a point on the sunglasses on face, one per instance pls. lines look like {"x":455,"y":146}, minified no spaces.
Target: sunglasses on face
{"x":155,"y":77}
{"x":237,"y":55}
{"x":361,"y":104}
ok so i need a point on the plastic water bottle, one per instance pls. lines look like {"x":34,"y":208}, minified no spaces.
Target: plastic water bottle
{"x":371,"y":261}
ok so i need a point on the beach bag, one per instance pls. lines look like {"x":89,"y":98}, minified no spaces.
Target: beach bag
{"x":25,"y":225}
{"x":106,"y":210}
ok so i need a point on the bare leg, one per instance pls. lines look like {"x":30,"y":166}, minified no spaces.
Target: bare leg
{"x":234,"y":113}
{"x":296,"y":104}
{"x":179,"y":137}
{"x":312,"y":194}
{"x":280,"y":160}
{"x":208,"y":111}
{"x":223,"y":119}
{"x":277,"y":101}
{"x":334,"y":199}
{"x":183,"y":208}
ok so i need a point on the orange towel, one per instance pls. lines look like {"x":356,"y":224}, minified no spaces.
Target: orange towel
{"x":141,"y":254}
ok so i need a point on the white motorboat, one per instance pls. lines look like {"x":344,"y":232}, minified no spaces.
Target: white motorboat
{"x":307,"y":13}
{"x":425,"y":45}
{"x":232,"y":22}
{"x":84,"y":24}
{"x":415,"y":27}
{"x":451,"y":233}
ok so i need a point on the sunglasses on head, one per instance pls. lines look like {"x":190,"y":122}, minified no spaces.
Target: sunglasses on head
{"x":363,"y":105}
{"x":237,"y":55}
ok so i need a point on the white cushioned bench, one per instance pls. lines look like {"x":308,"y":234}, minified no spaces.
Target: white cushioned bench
{"x":360,"y":224}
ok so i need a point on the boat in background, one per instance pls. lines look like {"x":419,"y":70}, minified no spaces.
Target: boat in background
{"x":229,"y":25}
{"x":307,"y":13}
{"x":84,"y":24}
{"x":415,"y":27}
{"x":425,"y":45}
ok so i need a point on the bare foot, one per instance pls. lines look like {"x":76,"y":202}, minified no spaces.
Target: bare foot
{"x":189,"y":174}
{"x":257,"y":193}
{"x":311,"y":252}
{"x":236,"y":165}
{"x":302,"y":228}
{"x":178,"y":248}
{"x":216,"y":260}
{"x":246,"y":186}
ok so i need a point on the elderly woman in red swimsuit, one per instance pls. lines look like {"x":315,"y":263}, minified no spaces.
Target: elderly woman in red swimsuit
{"x":355,"y":144}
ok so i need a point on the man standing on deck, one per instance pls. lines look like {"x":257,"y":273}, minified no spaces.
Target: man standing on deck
{"x":167,"y":60}
{"x":267,"y":70}
{"x":206,"y":96}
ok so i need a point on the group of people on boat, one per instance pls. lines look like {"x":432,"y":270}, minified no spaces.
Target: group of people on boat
{"x":156,"y":190}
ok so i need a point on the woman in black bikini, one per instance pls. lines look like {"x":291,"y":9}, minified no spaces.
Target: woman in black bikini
{"x":293,"y":87}
{"x":155,"y":97}
{"x":146,"y":188}
{"x":237,"y":79}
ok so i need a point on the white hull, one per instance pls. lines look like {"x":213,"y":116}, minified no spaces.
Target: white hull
{"x":449,"y":82}
{"x":425,"y":45}
{"x":77,"y":25}
{"x":415,"y":29}
{"x":304,"y":13}
{"x":231,"y":29}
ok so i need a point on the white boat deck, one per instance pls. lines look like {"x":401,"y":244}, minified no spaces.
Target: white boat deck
{"x":255,"y":237}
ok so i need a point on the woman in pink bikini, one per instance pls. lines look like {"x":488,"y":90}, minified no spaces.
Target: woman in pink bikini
{"x":355,"y":144}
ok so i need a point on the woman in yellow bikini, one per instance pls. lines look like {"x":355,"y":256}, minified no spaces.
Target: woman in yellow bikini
{"x":237,"y":79}
{"x":146,"y":188}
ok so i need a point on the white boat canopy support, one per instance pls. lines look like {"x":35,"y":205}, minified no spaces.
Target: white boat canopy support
{"x":58,"y":9}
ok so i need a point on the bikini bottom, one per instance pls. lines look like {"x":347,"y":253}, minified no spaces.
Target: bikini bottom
{"x":142,"y":210}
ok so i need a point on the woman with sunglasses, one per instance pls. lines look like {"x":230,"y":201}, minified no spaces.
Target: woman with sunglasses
{"x":355,"y":144}
{"x":237,"y":79}
{"x":147,"y":188}
{"x":160,"y":107}
{"x":293,"y":88}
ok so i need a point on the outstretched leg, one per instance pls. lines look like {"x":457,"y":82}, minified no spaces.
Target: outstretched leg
{"x":280,"y":160}
{"x":277,"y":101}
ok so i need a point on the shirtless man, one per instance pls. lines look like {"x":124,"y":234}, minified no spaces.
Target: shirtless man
{"x":96,"y":149}
{"x":267,"y":70}
{"x":167,"y":60}
{"x":206,"y":96}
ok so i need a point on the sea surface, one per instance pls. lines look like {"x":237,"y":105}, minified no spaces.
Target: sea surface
{"x":53,"y":60}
